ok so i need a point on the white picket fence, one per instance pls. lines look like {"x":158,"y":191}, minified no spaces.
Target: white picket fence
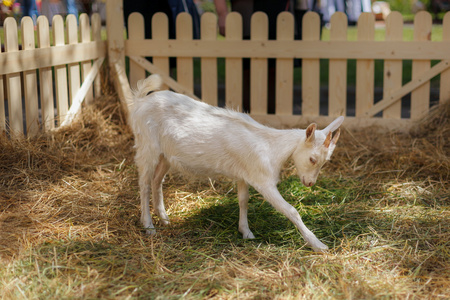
{"x":44,"y":86}
{"x":338,"y":50}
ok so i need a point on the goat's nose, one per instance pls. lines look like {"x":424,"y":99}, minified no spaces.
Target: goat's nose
{"x":307,"y":183}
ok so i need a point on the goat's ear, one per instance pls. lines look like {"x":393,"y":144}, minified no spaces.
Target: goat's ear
{"x":310,"y":133}
{"x":332,"y":143}
{"x":327,"y":140}
{"x":336,"y":137}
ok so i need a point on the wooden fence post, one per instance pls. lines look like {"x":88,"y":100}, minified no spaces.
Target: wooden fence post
{"x":136,"y":31}
{"x":311,"y":67}
{"x":209,"y":65}
{"x":74,"y":68}
{"x":2,"y":103}
{"x":365,"y":68}
{"x":233,"y":66}
{"x":30,"y":80}
{"x":115,"y":32}
{"x":337,"y":80}
{"x":13,"y":82}
{"x":96,"y":23}
{"x":160,"y":32}
{"x":258,"y":66}
{"x":116,"y":49}
{"x":85,"y":32}
{"x":45,"y":77}
{"x":393,"y":69}
{"x":61,"y":88}
{"x":420,"y":98}
{"x":444,"y":95}
{"x":185,"y":65}
{"x":284,"y":102}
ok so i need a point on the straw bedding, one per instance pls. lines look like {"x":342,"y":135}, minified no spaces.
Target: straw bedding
{"x":80,"y":183}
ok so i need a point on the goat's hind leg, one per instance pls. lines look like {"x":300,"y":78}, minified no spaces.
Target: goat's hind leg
{"x":243,"y":197}
{"x":145,"y":175}
{"x":157,"y":193}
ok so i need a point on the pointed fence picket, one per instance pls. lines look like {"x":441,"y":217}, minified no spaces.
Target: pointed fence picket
{"x":36,"y":77}
{"x":30,"y":80}
{"x":393,"y":67}
{"x":311,"y":68}
{"x":45,"y":77}
{"x":74,"y":68}
{"x":13,"y":83}
{"x":338,"y":69}
{"x":444,"y":94}
{"x":365,"y":68}
{"x":160,"y":32}
{"x":136,"y":31}
{"x":85,"y":32}
{"x":258,"y":66}
{"x":284,"y":67}
{"x":2,"y":103}
{"x":96,"y":23}
{"x":61,"y":83}
{"x":233,"y":66}
{"x":185,"y":64}
{"x":209,"y":65}
{"x":420,"y":98}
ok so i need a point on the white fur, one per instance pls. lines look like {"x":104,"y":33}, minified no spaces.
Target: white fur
{"x":174,"y":131}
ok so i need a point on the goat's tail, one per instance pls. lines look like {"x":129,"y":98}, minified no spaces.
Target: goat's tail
{"x":147,"y":85}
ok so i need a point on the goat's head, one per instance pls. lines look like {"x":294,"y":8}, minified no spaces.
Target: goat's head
{"x":312,"y":153}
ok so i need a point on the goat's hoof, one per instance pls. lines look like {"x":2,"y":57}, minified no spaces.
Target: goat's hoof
{"x":248,"y":236}
{"x":150,"y":231}
{"x":165,"y":222}
{"x":319,"y":247}
{"x":320,"y":250}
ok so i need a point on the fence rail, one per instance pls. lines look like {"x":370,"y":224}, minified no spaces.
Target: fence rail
{"x":338,"y":50}
{"x":41,"y":83}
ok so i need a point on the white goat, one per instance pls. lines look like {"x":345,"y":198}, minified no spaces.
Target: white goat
{"x":174,"y":131}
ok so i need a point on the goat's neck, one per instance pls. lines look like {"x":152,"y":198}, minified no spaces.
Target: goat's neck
{"x":284,"y":143}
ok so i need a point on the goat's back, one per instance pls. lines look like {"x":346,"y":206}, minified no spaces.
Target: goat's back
{"x":198,"y":138}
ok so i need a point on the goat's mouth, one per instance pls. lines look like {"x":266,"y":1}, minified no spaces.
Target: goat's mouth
{"x":307,"y":183}
{"x":304,"y":181}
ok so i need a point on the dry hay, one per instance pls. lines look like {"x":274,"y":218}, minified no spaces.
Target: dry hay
{"x":70,"y":198}
{"x":38,"y":177}
{"x":422,"y":155}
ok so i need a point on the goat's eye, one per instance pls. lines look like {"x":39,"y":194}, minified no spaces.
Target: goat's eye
{"x":312,"y":160}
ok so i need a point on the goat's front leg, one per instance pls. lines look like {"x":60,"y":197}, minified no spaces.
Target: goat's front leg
{"x":243,"y":197}
{"x":157,"y":193}
{"x":274,"y":197}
